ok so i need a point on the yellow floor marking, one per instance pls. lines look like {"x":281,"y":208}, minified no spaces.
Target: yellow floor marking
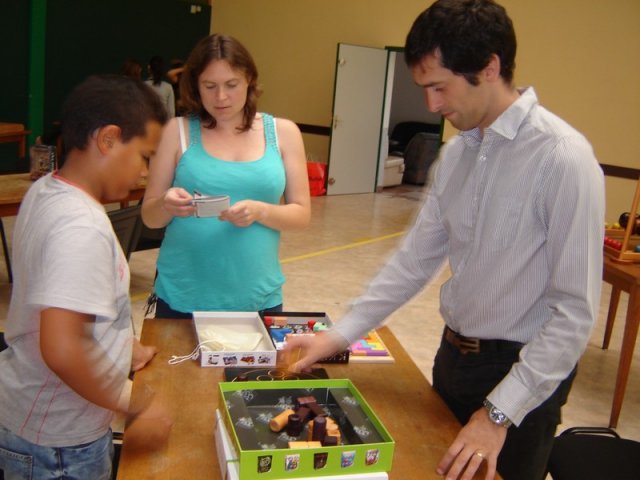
{"x":326,"y":251}
{"x":341,"y":247}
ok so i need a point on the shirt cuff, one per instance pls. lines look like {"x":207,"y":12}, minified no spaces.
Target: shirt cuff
{"x":338,"y":339}
{"x":352,"y":326}
{"x":512,"y":398}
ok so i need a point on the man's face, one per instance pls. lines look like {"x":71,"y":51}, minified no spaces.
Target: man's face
{"x":464,"y":105}
{"x":128,"y":162}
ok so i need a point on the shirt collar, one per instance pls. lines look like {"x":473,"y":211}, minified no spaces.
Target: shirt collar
{"x":508,"y":123}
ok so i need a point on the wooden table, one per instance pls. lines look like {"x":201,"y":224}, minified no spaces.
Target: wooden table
{"x":626,"y":278}
{"x":417,"y":418}
{"x":13,"y":188}
{"x":15,"y":133}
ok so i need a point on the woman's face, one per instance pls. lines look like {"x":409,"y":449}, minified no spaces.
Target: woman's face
{"x":223,"y":91}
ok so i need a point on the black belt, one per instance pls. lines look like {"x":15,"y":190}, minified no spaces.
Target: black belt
{"x":478,"y":345}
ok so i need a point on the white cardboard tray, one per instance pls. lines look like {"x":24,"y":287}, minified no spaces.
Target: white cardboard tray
{"x":264,"y":355}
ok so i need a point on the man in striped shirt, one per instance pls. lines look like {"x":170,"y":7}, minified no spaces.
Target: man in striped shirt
{"x":516,"y":206}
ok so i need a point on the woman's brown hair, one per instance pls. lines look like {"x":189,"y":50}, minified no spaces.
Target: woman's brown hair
{"x":209,"y":49}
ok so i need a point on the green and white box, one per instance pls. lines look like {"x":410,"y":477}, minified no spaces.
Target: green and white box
{"x":247,"y":408}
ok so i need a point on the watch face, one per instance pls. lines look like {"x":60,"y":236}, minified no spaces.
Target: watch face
{"x":497,"y":416}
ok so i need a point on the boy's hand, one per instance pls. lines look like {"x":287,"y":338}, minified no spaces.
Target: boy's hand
{"x":150,"y":429}
{"x":141,"y":355}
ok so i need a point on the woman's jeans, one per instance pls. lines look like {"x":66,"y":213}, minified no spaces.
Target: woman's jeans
{"x":22,"y":460}
{"x":164,"y":310}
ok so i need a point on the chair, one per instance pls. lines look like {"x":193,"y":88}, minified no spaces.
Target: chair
{"x":117,"y":450}
{"x":127,"y":226}
{"x":5,"y":249}
{"x":403,"y":132}
{"x":419,"y":156}
{"x":149,"y":238}
{"x":594,"y":453}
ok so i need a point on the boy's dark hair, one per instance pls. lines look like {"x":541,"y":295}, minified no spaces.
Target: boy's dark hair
{"x":210,"y":49}
{"x":109,"y":100}
{"x":467,"y":33}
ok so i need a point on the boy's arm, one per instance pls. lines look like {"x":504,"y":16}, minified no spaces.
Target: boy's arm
{"x":142,"y":354}
{"x":69,"y":350}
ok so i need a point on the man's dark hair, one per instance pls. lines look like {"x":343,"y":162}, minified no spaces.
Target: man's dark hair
{"x":467,"y":33}
{"x":156,"y":67}
{"x":109,"y":100}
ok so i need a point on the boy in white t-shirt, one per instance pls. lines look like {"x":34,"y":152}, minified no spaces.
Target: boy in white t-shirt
{"x":70,"y":339}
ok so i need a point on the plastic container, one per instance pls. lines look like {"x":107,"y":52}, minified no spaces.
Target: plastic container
{"x":317,"y":173}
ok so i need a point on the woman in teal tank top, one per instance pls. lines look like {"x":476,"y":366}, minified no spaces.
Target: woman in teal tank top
{"x":227,"y":262}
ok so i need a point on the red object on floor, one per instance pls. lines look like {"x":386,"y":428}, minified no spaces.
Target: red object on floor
{"x":317,"y":173}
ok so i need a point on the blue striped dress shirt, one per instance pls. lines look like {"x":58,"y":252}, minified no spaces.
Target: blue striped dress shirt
{"x":518,"y":211}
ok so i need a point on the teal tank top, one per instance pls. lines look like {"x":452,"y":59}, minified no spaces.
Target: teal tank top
{"x":206,"y":264}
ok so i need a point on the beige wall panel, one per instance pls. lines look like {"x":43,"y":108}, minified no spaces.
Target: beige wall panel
{"x":583,"y":57}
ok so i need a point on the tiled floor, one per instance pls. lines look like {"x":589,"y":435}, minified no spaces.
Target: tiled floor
{"x":350,"y":236}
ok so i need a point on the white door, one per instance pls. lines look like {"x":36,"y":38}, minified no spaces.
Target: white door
{"x":357,"y":118}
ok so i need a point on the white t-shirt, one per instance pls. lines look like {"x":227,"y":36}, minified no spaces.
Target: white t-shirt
{"x":165,"y":92}
{"x":65,"y":255}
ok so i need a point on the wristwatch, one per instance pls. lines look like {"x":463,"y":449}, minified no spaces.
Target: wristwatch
{"x":496,"y":415}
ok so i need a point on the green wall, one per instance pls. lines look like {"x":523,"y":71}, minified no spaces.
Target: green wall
{"x":14,"y":58}
{"x":82,"y":37}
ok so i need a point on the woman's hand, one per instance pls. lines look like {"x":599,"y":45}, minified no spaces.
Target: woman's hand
{"x":178,"y":202}
{"x":245,"y":213}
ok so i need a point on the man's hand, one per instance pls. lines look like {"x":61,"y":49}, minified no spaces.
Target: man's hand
{"x":302,"y":351}
{"x":479,"y":440}
{"x":141,"y":355}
